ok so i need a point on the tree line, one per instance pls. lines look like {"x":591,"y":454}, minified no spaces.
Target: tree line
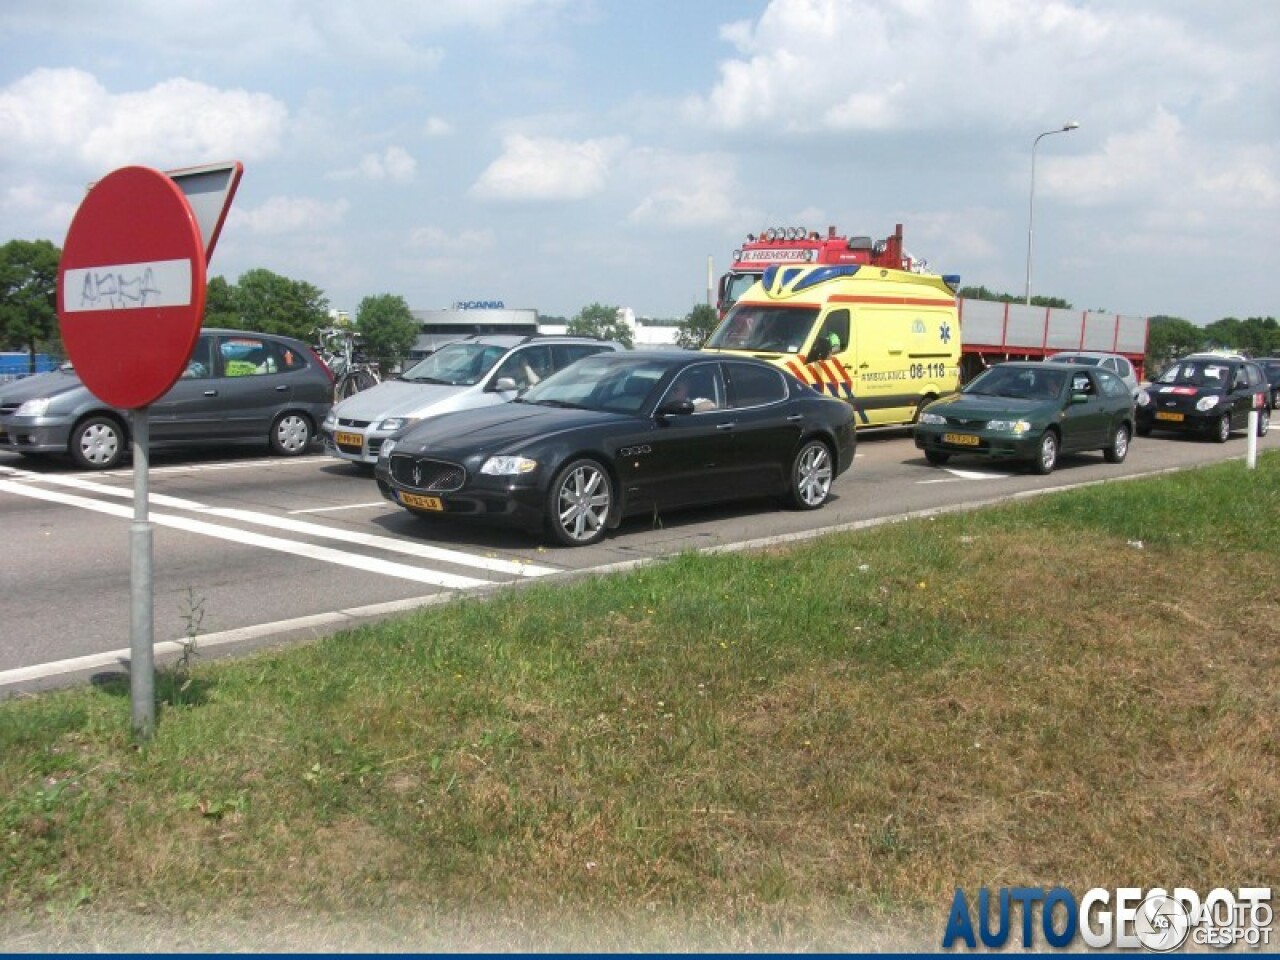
{"x":266,"y":302}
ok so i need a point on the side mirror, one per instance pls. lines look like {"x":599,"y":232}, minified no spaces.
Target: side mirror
{"x":504,"y":384}
{"x":821,"y":350}
{"x":675,"y":408}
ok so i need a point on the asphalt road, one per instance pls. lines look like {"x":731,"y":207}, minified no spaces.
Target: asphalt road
{"x":251,"y":550}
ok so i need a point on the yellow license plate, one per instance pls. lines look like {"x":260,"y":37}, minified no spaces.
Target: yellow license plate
{"x":421,"y":503}
{"x":961,"y":439}
{"x":1175,"y":417}
{"x":343,"y":439}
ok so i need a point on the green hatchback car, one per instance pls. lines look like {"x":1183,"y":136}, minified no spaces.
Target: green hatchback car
{"x":1033,"y":411}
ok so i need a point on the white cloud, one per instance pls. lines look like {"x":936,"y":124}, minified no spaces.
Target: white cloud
{"x":544,"y":169}
{"x":681,"y":190}
{"x":281,"y":215}
{"x":437,"y":127}
{"x":56,"y":113}
{"x":906,"y":65}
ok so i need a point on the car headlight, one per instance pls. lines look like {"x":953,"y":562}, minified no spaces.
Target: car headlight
{"x":34,"y":408}
{"x":384,"y":451}
{"x":508,"y":466}
{"x":1207,"y":403}
{"x":392,"y":424}
{"x":932,"y":418}
{"x":1143,"y":398}
{"x":330,"y":422}
{"x":1008,"y":426}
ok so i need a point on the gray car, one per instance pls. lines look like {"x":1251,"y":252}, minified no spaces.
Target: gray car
{"x":478,"y":371}
{"x":1117,"y":364}
{"x":236,"y":386}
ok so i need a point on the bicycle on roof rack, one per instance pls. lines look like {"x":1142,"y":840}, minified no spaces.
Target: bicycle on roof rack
{"x":352,"y":371}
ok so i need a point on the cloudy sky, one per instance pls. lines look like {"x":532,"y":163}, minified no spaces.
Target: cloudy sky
{"x":556,"y":153}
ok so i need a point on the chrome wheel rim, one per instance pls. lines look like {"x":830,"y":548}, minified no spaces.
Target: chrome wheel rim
{"x":814,"y":474}
{"x":583,"y":502}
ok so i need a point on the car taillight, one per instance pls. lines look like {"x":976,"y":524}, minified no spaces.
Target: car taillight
{"x":323,"y":366}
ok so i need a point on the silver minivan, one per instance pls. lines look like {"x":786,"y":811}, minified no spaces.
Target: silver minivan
{"x":1117,"y":364}
{"x":478,"y":371}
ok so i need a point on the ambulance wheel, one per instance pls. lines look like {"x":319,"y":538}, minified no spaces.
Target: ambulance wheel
{"x":937,"y":457}
{"x":811,"y":474}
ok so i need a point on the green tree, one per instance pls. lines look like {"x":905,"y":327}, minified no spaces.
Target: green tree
{"x":1169,"y":338}
{"x":598,"y":320}
{"x":388,"y":329}
{"x":220,"y":304}
{"x":1256,"y":336}
{"x":269,"y":303}
{"x":982,"y":293}
{"x":697,"y":325}
{"x":28,"y":297}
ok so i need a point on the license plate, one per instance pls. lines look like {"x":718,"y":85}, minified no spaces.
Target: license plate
{"x":343,"y":439}
{"x":961,"y":439}
{"x":1175,"y":417}
{"x":421,"y":503}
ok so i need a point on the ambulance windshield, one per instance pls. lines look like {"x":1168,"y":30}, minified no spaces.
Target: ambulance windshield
{"x":764,"y":329}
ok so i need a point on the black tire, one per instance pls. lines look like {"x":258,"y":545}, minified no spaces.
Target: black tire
{"x":1118,"y":449}
{"x":291,"y":435}
{"x":98,"y":443}
{"x":1222,"y":433}
{"x":352,"y":383}
{"x":937,"y":457}
{"x":1047,"y":456}
{"x":812,"y":472}
{"x":1264,"y":422}
{"x":579,"y":502}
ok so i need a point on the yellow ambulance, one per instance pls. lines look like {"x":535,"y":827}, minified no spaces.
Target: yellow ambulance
{"x":887,"y":341}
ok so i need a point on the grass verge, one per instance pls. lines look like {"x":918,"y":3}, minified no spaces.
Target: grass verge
{"x":805,"y":748}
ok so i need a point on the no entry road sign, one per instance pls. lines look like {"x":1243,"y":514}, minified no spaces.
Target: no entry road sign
{"x":131,"y":287}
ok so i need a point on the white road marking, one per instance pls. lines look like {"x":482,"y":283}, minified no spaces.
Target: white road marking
{"x":390,"y":544}
{"x":247,"y":538}
{"x":965,"y":475}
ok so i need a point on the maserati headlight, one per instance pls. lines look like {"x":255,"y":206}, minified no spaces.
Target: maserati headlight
{"x":1204,"y":404}
{"x":508,"y":466}
{"x":1008,"y":426}
{"x":932,"y":418}
{"x":34,"y":408}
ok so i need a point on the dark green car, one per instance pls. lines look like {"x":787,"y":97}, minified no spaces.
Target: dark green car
{"x":1030,"y":411}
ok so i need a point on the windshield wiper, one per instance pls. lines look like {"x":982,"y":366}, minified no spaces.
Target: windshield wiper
{"x":419,"y":379}
{"x":563,"y":404}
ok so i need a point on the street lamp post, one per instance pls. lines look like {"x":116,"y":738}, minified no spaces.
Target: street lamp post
{"x":1031,"y":204}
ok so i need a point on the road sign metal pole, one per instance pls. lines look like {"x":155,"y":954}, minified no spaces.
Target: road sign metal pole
{"x":142,"y":678}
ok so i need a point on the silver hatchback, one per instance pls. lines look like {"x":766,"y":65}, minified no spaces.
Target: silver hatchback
{"x":479,"y":371}
{"x":237,"y":386}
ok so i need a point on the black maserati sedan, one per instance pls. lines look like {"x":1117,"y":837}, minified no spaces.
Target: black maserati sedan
{"x":618,"y":434}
